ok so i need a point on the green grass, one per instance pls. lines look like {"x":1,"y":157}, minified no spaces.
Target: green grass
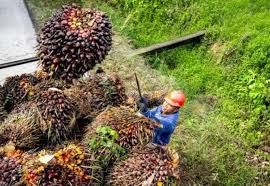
{"x":225,"y":77}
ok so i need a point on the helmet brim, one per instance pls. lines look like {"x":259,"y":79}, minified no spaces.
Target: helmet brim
{"x":171,"y":103}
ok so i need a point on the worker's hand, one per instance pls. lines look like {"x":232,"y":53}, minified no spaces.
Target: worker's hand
{"x":142,"y":107}
{"x":143,"y":100}
{"x":142,"y":104}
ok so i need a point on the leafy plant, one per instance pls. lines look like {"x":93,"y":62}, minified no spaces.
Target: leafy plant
{"x":105,"y":146}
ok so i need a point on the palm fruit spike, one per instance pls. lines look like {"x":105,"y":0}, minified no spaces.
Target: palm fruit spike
{"x":18,"y":89}
{"x":71,"y":165}
{"x":22,"y":130}
{"x":59,"y":115}
{"x":133,"y":130}
{"x":73,"y":41}
{"x":97,"y":93}
{"x":149,"y":166}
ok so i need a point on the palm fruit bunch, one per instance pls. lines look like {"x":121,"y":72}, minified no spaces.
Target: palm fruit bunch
{"x":11,"y":167}
{"x":71,"y":165}
{"x":133,"y":130}
{"x":40,"y":74}
{"x":79,"y":160}
{"x":48,"y":83}
{"x":154,"y":99}
{"x":21,"y":130}
{"x":3,"y":113}
{"x":58,"y":115}
{"x":18,"y":89}
{"x":10,"y":171}
{"x":73,"y":41}
{"x":98,"y":92}
{"x":149,"y":166}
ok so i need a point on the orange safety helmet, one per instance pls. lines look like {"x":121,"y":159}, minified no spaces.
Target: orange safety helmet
{"x":176,"y":98}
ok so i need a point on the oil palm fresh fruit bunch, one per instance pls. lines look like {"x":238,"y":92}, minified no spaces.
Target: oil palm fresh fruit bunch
{"x":133,"y":130}
{"x":73,"y":41}
{"x":48,"y":83}
{"x":18,"y":89}
{"x":77,"y":157}
{"x":10,"y":171}
{"x":21,"y":130}
{"x":71,"y":165}
{"x":11,"y":167}
{"x":3,"y":113}
{"x":154,"y":99}
{"x":40,"y":74}
{"x":49,"y":175}
{"x":58,"y":115}
{"x":149,"y":166}
{"x":98,"y":92}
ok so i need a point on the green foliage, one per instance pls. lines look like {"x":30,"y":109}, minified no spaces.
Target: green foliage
{"x":105,"y":145}
{"x":211,"y":159}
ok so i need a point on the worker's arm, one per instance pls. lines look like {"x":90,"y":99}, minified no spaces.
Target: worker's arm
{"x":150,"y":113}
{"x":165,"y":122}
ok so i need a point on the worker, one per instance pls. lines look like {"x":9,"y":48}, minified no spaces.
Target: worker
{"x":166,"y":115}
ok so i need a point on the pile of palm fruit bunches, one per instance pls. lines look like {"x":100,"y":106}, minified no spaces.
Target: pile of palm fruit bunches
{"x":57,"y":128}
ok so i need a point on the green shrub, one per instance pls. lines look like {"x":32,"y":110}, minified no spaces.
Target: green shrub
{"x":105,"y":146}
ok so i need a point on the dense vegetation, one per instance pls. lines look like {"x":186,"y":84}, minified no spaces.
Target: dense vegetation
{"x":226,"y":78}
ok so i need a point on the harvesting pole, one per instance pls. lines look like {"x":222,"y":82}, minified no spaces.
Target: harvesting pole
{"x":138,"y":86}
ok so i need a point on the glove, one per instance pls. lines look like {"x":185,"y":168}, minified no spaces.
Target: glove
{"x":142,"y":107}
{"x":143,"y":100}
{"x":142,"y":104}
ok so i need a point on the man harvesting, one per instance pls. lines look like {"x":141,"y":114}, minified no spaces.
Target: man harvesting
{"x":166,"y":114}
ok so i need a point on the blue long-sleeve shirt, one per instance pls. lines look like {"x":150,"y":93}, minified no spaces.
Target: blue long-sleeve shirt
{"x":162,"y":135}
